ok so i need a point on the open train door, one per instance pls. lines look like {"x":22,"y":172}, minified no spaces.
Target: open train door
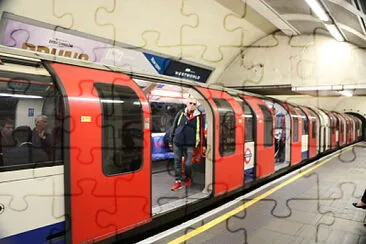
{"x":229,"y":140}
{"x":107,"y":160}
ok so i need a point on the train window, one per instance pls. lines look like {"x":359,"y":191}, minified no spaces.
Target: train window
{"x":30,"y":136}
{"x":249,"y":123}
{"x":305,"y":124}
{"x":313,"y":135}
{"x":122,"y":125}
{"x":268,"y":126}
{"x":163,"y":114}
{"x":295,"y":134}
{"x":227,"y":127}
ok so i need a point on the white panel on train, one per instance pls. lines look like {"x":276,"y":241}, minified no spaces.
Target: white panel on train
{"x":249,"y":155}
{"x":304,"y":143}
{"x":25,"y":192}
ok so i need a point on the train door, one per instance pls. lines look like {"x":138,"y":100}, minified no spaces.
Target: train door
{"x":353,"y":126}
{"x":313,"y":131}
{"x":304,"y":134}
{"x":336,"y":128}
{"x":324,"y":130}
{"x":167,"y":101}
{"x":281,"y":134}
{"x":249,"y":146}
{"x":332,"y":129}
{"x":341,"y":124}
{"x":107,"y":174}
{"x":296,"y":135}
{"x":229,"y":140}
{"x":265,"y":148}
{"x":347,"y":129}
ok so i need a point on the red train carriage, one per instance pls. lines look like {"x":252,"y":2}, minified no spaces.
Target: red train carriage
{"x":109,"y":172}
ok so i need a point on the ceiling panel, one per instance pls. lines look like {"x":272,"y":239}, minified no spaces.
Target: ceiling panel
{"x":289,"y":6}
{"x":355,"y":39}
{"x":308,"y":27}
{"x":345,"y":17}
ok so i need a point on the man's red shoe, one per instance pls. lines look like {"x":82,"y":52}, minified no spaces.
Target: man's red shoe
{"x":188,"y":182}
{"x":177,"y":185}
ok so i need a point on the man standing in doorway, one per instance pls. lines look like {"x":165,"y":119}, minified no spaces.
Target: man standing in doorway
{"x":184,"y":136}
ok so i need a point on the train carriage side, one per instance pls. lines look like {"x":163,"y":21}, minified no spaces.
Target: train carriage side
{"x":32,"y":178}
{"x":106,"y":138}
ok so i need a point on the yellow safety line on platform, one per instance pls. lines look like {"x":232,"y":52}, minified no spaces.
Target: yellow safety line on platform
{"x":218,"y":220}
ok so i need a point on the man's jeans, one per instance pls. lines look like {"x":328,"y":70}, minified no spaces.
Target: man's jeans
{"x":186,"y":152}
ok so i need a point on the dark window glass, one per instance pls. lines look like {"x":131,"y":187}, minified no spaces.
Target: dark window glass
{"x":163,"y":114}
{"x":27,"y":98}
{"x":268,"y":126}
{"x":295,"y":134}
{"x":314,"y":132}
{"x":305,"y":124}
{"x":249,"y":123}
{"x":122,"y":127}
{"x":227,"y":127}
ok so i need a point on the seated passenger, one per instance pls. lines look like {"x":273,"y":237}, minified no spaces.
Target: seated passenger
{"x":7,"y":139}
{"x":40,"y":138}
{"x":23,"y":153}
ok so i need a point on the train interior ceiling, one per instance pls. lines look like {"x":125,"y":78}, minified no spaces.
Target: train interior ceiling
{"x":28,"y":91}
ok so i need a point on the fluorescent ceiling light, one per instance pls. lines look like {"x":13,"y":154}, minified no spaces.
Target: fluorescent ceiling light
{"x":346,"y":93}
{"x":19,"y":95}
{"x":318,"y":9}
{"x":87,"y":99}
{"x":334,"y":32}
{"x":311,"y":88}
{"x":165,"y":93}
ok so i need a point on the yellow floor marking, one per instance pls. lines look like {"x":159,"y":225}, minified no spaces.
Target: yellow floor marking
{"x":218,"y":220}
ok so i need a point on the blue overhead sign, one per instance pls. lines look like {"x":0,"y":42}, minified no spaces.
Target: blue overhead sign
{"x":186,"y":71}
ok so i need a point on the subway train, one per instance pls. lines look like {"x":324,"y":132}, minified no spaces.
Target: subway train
{"x":108,"y":171}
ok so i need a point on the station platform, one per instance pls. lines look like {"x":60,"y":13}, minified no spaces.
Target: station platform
{"x":310,"y":205}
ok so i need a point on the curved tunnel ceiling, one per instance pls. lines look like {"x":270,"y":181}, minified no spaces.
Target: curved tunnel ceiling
{"x":213,"y":33}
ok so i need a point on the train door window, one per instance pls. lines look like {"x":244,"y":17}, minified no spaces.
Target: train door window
{"x":268,"y":126}
{"x":28,"y":138}
{"x":295,"y":135}
{"x":305,"y":124}
{"x":227,"y":127}
{"x":313,"y":134}
{"x":249,"y":122}
{"x":314,"y":125}
{"x":122,"y":127}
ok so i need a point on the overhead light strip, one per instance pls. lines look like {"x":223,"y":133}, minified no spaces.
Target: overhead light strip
{"x":333,"y":30}
{"x":318,"y":9}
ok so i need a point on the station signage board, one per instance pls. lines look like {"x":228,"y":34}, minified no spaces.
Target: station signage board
{"x":24,"y":33}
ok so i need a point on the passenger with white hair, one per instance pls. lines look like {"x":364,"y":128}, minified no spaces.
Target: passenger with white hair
{"x":40,"y":137}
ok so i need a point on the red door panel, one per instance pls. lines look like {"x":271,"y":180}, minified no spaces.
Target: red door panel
{"x":264,"y":154}
{"x":295,"y":139}
{"x":313,"y":121}
{"x":228,"y":169}
{"x":100,"y":205}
